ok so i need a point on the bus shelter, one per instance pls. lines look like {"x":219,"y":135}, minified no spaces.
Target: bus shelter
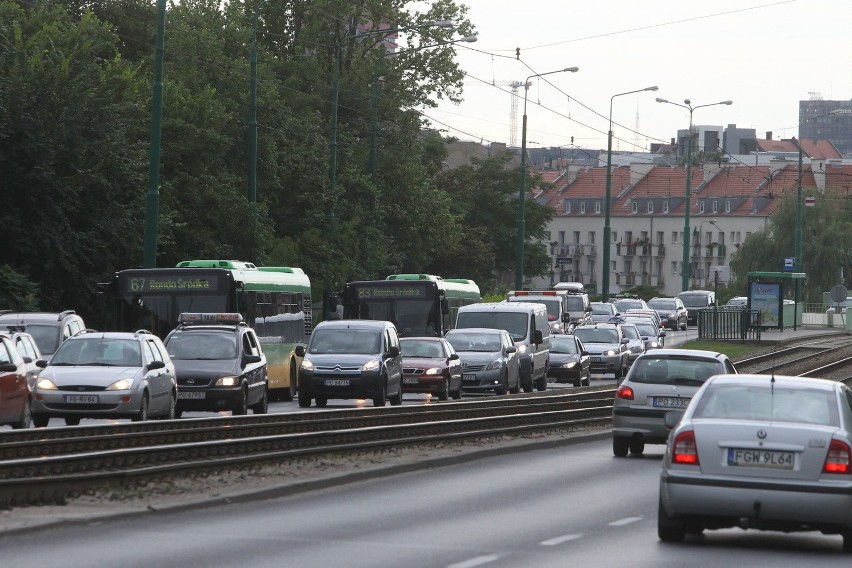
{"x":766,"y":295}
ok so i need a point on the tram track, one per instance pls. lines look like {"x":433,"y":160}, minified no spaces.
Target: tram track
{"x":51,"y":464}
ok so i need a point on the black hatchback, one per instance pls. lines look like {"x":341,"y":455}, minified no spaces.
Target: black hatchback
{"x":219,"y":363}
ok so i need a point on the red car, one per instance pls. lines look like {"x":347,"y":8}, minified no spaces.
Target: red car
{"x":430,"y":365}
{"x":14,"y":391}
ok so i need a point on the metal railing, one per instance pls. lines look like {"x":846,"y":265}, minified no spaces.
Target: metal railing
{"x":729,"y":323}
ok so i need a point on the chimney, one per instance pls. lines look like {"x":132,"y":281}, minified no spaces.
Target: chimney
{"x":769,"y":135}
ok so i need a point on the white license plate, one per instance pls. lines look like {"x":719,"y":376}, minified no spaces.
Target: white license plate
{"x":469,"y":378}
{"x":760,"y":458}
{"x":82,"y":398}
{"x":670,"y":402}
{"x":410,"y":381}
{"x":336,"y":382}
{"x":187,"y":395}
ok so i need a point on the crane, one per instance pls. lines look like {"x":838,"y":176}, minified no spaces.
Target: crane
{"x":513,"y":115}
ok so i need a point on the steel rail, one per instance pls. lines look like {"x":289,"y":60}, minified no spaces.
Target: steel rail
{"x":50,"y":479}
{"x":846,"y":362}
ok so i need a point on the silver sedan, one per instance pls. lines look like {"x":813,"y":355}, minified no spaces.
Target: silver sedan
{"x":760,"y":452}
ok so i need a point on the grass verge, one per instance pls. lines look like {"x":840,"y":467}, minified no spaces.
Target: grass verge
{"x":733,"y":349}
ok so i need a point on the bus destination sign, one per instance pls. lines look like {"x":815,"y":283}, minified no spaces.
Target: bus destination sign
{"x":391,"y":292}
{"x":171,"y":284}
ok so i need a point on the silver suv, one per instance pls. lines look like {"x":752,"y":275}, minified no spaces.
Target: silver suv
{"x":659,"y":381}
{"x":48,"y":329}
{"x":607,"y":347}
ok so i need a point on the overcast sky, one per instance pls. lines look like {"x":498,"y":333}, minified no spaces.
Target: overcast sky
{"x":764,"y":55}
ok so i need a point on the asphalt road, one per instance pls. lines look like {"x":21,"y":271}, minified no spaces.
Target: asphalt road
{"x":573,"y":505}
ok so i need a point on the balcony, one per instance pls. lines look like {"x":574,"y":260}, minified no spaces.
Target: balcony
{"x":661,"y":249}
{"x":722,"y":252}
{"x":645,"y":250}
{"x":630,"y":279}
{"x":645,"y":279}
{"x":625,"y":249}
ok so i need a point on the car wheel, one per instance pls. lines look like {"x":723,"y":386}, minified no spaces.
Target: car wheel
{"x":620,"y":446}
{"x":72,"y":421}
{"x":241,"y":408}
{"x":504,"y":385}
{"x":142,"y":416}
{"x":262,"y":406}
{"x":322,"y":401}
{"x":541,"y":384}
{"x":683,"y":327}
{"x":178,"y":413}
{"x":588,"y":380}
{"x":445,"y":391}
{"x":637,"y":446}
{"x":26,"y":418}
{"x":290,"y":392}
{"x":578,"y":382}
{"x":527,"y":386}
{"x":304,"y":400}
{"x":382,"y":397}
{"x":40,"y":420}
{"x":171,"y":411}
{"x":457,"y":394}
{"x":668,"y":529}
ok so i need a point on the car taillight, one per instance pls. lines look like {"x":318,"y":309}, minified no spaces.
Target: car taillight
{"x":624,"y":392}
{"x":838,"y":459}
{"x":684,"y":450}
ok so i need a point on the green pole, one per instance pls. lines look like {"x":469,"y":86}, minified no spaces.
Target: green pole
{"x":519,"y":252}
{"x":252,"y":158}
{"x":798,"y":240}
{"x":374,"y":119}
{"x":684,"y":277}
{"x":607,"y":230}
{"x":152,"y":211}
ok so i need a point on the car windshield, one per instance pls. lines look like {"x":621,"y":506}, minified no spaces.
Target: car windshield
{"x":624,"y":305}
{"x":661,"y":304}
{"x":695,"y":301}
{"x":421,"y":348}
{"x":97,"y":351}
{"x":513,"y":322}
{"x":630,"y":331}
{"x":563,"y":345}
{"x":46,"y":337}
{"x":768,"y":402}
{"x":596,"y":335}
{"x":646,"y":330}
{"x":350,"y":341}
{"x":674,"y":370}
{"x":463,"y":341}
{"x":603,"y":309}
{"x":203,"y":345}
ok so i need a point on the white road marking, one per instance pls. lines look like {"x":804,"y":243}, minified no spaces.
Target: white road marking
{"x":625,"y":521}
{"x":560,"y":539}
{"x":478,"y":561}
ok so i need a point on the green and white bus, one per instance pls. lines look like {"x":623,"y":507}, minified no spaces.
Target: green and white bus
{"x":418,"y":304}
{"x":274,"y":300}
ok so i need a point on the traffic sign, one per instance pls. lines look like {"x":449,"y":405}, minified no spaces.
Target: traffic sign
{"x":789,"y":264}
{"x":838,"y":293}
{"x":810,"y":201}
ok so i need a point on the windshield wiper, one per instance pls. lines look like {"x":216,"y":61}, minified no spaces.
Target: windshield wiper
{"x":685,"y":381}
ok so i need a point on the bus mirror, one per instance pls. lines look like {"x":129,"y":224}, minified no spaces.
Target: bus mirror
{"x":566,"y":317}
{"x":445,"y":306}
{"x":537,"y":338}
{"x":393,"y":351}
{"x":300,"y":351}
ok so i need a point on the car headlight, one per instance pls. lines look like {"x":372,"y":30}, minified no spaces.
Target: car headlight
{"x":522,"y":349}
{"x":307,"y":365}
{"x":569,"y":365}
{"x":120,"y":385}
{"x":230,"y":381}
{"x":653,"y":344}
{"x":610,"y":352}
{"x":46,"y":384}
{"x":494,"y":365}
{"x":434,"y":371}
{"x":371,"y":365}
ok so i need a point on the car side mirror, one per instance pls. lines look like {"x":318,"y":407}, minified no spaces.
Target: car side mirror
{"x":662,"y":334}
{"x":154,"y":365}
{"x":392,"y":352}
{"x":511,"y":349}
{"x":589,"y":309}
{"x":672,"y":418}
{"x":8,"y":368}
{"x":625,"y":340}
{"x":454,"y":357}
{"x":566,"y":317}
{"x":537,"y":338}
{"x":41,"y":363}
{"x":27,"y":359}
{"x":249,"y":359}
{"x":300,"y":351}
{"x":584,"y":352}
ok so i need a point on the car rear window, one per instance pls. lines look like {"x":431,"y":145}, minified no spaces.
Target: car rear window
{"x":673,"y":371}
{"x":780,"y":404}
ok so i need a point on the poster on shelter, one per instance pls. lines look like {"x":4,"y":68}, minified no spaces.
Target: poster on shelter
{"x":766,"y":298}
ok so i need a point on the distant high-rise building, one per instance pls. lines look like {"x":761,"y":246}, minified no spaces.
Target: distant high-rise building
{"x":827,"y":120}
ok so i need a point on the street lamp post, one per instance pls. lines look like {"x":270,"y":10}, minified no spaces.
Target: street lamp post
{"x":684,"y":276}
{"x":519,"y":254}
{"x":607,"y":229}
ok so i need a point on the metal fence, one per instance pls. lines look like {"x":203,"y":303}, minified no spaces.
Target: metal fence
{"x":729,"y":323}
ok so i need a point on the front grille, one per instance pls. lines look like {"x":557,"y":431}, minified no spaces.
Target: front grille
{"x":82,"y":388}
{"x":473,"y":368}
{"x":196,"y":383}
{"x":412,"y":371}
{"x":337,"y":368}
{"x":97,"y":407}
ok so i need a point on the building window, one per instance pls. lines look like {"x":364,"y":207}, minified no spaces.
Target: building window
{"x":674,"y":267}
{"x":634,"y":206}
{"x":597,"y":207}
{"x":674,"y":237}
{"x":613,"y":266}
{"x":650,"y":207}
{"x":567,"y":206}
{"x":614,"y":236}
{"x":701,"y":206}
{"x":591,"y":237}
{"x":715,"y":206}
{"x":666,"y":206}
{"x":727,"y":206}
{"x":582,"y":207}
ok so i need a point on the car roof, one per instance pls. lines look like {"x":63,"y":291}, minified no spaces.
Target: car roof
{"x":502,"y":307}
{"x":780,"y":380}
{"x":36,"y":316}
{"x":423,"y":338}
{"x":600,"y":325}
{"x":684,"y":353}
{"x":353,"y":324}
{"x":484,"y":330}
{"x":110,"y":335}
